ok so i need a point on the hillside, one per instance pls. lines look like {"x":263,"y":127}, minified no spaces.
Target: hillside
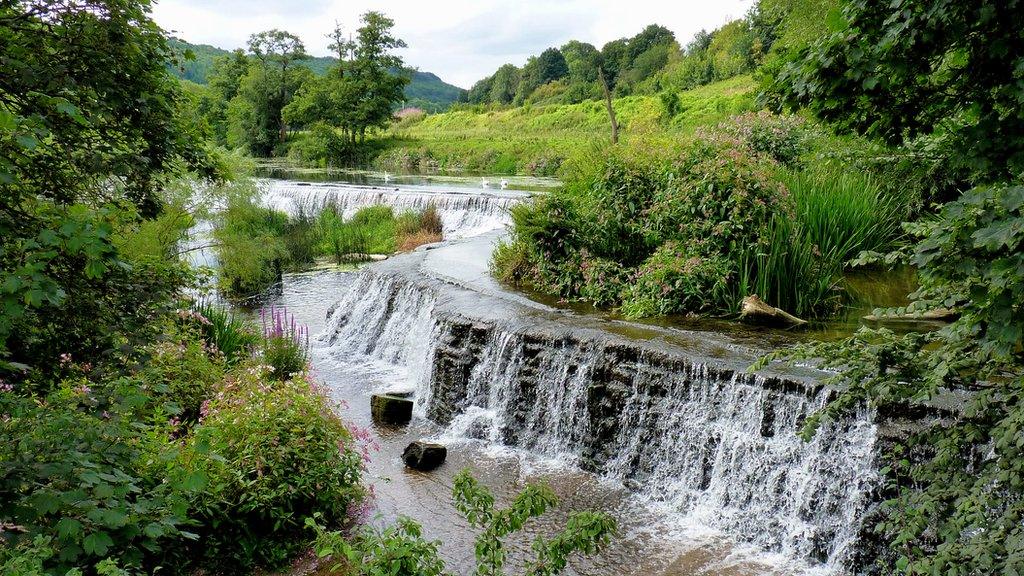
{"x":536,"y":139}
{"x":426,"y":90}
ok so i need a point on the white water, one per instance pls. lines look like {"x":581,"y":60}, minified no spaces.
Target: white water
{"x":463,"y":213}
{"x":716,"y":448}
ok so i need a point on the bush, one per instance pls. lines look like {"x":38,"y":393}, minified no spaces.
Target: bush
{"x":250,"y":247}
{"x":698,"y":232}
{"x":679,"y":279}
{"x":783,"y":138}
{"x":86,"y":472}
{"x":274,"y":453}
{"x":182,"y":372}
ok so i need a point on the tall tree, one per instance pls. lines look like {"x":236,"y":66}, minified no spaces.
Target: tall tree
{"x":280,"y":49}
{"x":88,"y":117}
{"x":378,"y":71}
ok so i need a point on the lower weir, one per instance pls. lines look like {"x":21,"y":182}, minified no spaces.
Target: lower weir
{"x":671,"y":415}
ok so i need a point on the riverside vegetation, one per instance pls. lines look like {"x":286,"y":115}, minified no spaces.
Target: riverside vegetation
{"x":256,"y":244}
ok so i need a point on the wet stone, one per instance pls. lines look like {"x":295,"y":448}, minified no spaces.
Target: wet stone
{"x":424,"y":456}
{"x":388,"y":409}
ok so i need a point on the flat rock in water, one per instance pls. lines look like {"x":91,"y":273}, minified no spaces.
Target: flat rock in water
{"x":387,"y":409}
{"x":424,"y":456}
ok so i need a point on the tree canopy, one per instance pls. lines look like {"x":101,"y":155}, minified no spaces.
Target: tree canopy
{"x":945,"y":68}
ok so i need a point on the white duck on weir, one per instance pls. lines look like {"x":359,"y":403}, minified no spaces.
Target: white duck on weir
{"x":504,"y":183}
{"x":387,"y":177}
{"x":484,"y":183}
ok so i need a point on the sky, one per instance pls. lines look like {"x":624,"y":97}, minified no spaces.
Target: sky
{"x":461,"y":41}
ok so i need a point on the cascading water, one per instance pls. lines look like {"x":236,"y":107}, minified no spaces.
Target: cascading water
{"x":463,"y":213}
{"x":693,"y":435}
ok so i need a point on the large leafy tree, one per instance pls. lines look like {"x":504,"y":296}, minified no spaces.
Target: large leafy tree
{"x":89,"y":129}
{"x":901,"y":69}
{"x":953,"y":71}
{"x":361,"y":92}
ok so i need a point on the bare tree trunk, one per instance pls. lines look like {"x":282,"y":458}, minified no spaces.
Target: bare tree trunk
{"x":608,"y":103}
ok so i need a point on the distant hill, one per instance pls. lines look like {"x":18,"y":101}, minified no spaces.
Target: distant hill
{"x":425,"y":91}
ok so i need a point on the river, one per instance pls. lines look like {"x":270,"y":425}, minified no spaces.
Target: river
{"x":698,"y":463}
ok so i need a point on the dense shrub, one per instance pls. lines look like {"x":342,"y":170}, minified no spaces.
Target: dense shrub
{"x":274,"y":454}
{"x":251,"y":251}
{"x":783,"y":138}
{"x":86,"y":471}
{"x":678,"y":279}
{"x":697,"y":231}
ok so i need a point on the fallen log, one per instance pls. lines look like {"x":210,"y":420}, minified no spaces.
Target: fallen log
{"x":756,"y":311}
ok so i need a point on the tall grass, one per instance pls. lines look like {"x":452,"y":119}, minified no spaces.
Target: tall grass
{"x":285,"y":346}
{"x":843,"y":212}
{"x":789,"y":272}
{"x":838,"y":215}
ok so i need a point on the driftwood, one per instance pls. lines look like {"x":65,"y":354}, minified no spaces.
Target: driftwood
{"x":937,"y":315}
{"x":757,"y":311}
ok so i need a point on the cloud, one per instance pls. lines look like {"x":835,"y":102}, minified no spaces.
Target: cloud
{"x":459,"y":40}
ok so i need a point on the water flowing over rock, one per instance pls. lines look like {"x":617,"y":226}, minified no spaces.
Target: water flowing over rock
{"x":463,"y":212}
{"x":671,"y":415}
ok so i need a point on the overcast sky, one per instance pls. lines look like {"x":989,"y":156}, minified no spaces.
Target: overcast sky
{"x":459,"y":40}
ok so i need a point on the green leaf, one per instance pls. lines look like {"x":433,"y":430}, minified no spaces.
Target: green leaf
{"x":97,"y":543}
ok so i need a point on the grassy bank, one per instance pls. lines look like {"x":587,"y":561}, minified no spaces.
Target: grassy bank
{"x":537,"y":140}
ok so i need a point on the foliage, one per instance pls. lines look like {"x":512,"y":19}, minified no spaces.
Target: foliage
{"x":251,"y":251}
{"x":923,"y":67}
{"x":395,"y":550}
{"x":88,"y":119}
{"x":400,"y":549}
{"x":586,"y":532}
{"x":225,"y":331}
{"x":695,"y":231}
{"x":85,"y":470}
{"x":361,"y":92}
{"x":844,"y":212}
{"x":274,"y":453}
{"x":953,"y":487}
{"x":431,"y":93}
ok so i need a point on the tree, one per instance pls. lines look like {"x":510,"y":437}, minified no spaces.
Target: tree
{"x":88,"y":117}
{"x":372,"y":69}
{"x":923,"y":67}
{"x":504,"y":84}
{"x":276,"y":47}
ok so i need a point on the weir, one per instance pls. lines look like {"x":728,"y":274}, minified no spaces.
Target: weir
{"x":671,"y":415}
{"x":464,"y":212}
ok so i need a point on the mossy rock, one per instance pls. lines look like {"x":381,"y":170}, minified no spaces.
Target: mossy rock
{"x":390,"y":409}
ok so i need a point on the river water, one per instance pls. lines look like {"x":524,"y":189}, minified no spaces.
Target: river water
{"x":657,"y":536}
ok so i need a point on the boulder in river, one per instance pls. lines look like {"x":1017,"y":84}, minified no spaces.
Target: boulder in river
{"x":424,"y":456}
{"x":388,"y":409}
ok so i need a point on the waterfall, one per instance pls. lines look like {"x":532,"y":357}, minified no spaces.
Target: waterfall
{"x":697,"y":436}
{"x":463,"y":213}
